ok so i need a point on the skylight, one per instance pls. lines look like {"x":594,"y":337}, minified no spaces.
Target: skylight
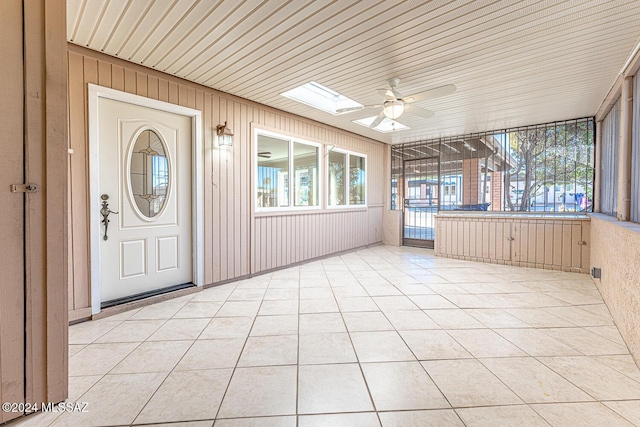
{"x":320,"y":97}
{"x":385,"y":126}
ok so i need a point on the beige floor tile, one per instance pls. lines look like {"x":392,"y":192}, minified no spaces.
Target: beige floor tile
{"x":308,"y":306}
{"x":496,"y":318}
{"x":367,"y":321}
{"x":275,"y":325}
{"x":332,"y":388}
{"x":580,"y":414}
{"x":98,"y":359}
{"x":469,"y":301}
{"x":395,"y":303}
{"x":406,"y":320}
{"x":382,"y":290}
{"x":363,"y":419}
{"x":247,"y":294}
{"x":198,"y":309}
{"x":212,"y":354}
{"x":161,"y":356}
{"x":321,"y":323}
{"x":533,"y":382}
{"x":88,"y":332}
{"x":216,"y":293}
{"x":434,"y":344}
{"x":415,"y":289}
{"x":385,"y":346}
{"x":162,"y":310}
{"x":610,"y":332}
{"x":258,"y":422}
{"x":80,"y":385}
{"x":284,"y":283}
{"x":326,"y":348}
{"x":597,"y":379}
{"x":536,"y":342}
{"x":577,"y":298}
{"x":467,"y":383}
{"x":186,"y":396}
{"x":485,"y":343}
{"x":270,"y":350}
{"x":522,"y":300}
{"x":503,"y":416}
{"x":629,"y":409}
{"x":75,"y":348}
{"x":111,"y":402}
{"x":622,"y":363}
{"x":276,"y":294}
{"x":131,"y":331}
{"x":262,"y":391}
{"x":428,"y":302}
{"x":269,"y":308}
{"x":259,"y":282}
{"x":586,"y":342}
{"x":538,"y":318}
{"x":227,"y":327}
{"x":353,"y":304}
{"x":453,"y":319}
{"x":438,"y":417}
{"x":316,"y":293}
{"x":179,"y":329}
{"x":579,"y":317}
{"x":399,"y":386}
{"x":207,"y":423}
{"x":239,"y":309}
{"x":341,"y":289}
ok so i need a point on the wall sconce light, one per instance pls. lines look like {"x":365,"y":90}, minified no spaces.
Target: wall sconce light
{"x":225,"y":135}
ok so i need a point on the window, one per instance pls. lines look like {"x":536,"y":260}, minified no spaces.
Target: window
{"x":346,"y":179}
{"x":276,"y":157}
{"x":609,"y":164}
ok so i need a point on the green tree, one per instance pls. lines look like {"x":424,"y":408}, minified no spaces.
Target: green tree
{"x":549,"y":155}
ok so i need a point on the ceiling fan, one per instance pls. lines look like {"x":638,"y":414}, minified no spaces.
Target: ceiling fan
{"x":265,"y":154}
{"x":395,"y":104}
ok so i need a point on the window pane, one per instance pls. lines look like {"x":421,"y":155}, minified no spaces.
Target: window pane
{"x":149,"y":173}
{"x":305,"y":184}
{"x":273,"y":172}
{"x":337,"y":165}
{"x":357,"y":180}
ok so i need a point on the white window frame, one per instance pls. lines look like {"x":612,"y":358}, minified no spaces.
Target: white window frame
{"x":348,"y":205}
{"x":291,"y":172}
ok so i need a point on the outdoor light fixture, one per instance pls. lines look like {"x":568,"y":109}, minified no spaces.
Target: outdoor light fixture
{"x":393,"y":108}
{"x":225,"y":135}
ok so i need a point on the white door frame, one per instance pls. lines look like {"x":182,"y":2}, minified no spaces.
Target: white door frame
{"x":95,"y":93}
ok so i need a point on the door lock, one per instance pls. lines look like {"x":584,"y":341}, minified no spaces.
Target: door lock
{"x":24,"y":188}
{"x":105,"y":211}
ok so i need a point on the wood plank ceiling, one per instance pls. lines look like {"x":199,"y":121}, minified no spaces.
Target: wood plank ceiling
{"x":514,"y":62}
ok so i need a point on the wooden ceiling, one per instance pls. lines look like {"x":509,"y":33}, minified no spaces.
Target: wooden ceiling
{"x":514,"y":62}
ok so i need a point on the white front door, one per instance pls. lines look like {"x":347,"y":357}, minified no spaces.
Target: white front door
{"x":145,"y":186}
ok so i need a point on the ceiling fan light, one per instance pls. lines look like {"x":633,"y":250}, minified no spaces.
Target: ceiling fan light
{"x":393,"y":109}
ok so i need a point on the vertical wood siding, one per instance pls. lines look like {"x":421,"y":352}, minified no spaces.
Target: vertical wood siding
{"x":548,"y":243}
{"x":236,"y":242}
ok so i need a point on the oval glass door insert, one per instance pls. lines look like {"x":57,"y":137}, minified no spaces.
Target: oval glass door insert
{"x":149,"y":173}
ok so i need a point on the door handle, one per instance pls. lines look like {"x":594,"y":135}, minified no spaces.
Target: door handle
{"x":105,"y":211}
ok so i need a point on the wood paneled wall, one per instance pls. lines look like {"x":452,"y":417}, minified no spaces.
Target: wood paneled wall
{"x":237,"y":242}
{"x":561,"y":243}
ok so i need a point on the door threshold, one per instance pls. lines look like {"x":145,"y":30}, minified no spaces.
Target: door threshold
{"x":144,"y":295}
{"x":418,"y":243}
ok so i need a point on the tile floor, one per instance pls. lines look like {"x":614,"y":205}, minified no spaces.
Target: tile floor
{"x":380,"y":337}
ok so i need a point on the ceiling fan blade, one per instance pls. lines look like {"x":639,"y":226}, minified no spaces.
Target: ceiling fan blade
{"x":265,"y":154}
{"x":378,"y":120}
{"x":419,"y":111}
{"x":385,"y":93}
{"x":350,"y":109}
{"x":432,"y":93}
